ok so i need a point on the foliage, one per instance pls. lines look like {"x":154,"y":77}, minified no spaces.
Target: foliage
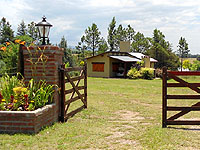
{"x":195,"y":66}
{"x":183,"y":49}
{"x":133,"y":73}
{"x":161,"y":51}
{"x":147,"y":73}
{"x":6,"y":32}
{"x":40,"y":93}
{"x":103,"y":46}
{"x":15,"y":96}
{"x":68,"y":57}
{"x":21,"y":30}
{"x":140,"y":43}
{"x":111,"y":34}
{"x":144,"y":73}
{"x":186,"y":64}
{"x":92,"y":38}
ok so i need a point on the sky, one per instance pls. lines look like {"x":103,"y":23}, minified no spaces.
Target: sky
{"x":70,"y":18}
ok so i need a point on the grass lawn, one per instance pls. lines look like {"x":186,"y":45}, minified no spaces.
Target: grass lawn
{"x":121,"y":114}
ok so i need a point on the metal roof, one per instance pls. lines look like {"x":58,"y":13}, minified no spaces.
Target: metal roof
{"x":125,"y":58}
{"x":140,"y":56}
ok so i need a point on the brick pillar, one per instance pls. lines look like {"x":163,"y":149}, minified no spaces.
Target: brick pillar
{"x":47,"y":70}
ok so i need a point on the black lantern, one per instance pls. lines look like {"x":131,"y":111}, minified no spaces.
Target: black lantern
{"x":44,"y":28}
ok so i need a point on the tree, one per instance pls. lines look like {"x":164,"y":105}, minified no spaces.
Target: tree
{"x":183,"y":49}
{"x":111,"y":34}
{"x":92,"y":37}
{"x":103,"y":46}
{"x":120,"y":36}
{"x":32,"y":30}
{"x":21,"y":30}
{"x":82,"y":48}
{"x":130,"y":32}
{"x":161,"y":50}
{"x":68,"y":58}
{"x":140,"y":43}
{"x":6,"y":33}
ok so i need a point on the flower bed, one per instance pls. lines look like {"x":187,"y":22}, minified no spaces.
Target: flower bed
{"x":27,"y":121}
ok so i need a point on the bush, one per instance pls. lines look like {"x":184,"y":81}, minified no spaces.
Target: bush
{"x":147,"y":73}
{"x":133,"y":73}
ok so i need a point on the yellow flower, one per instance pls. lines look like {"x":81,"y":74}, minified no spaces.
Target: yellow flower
{"x":7,"y":43}
{"x":23,"y":89}
{"x":15,"y":101}
{"x":17,"y":41}
{"x":22,"y":42}
{"x":3,"y":100}
{"x":3,"y":48}
{"x":32,"y":101}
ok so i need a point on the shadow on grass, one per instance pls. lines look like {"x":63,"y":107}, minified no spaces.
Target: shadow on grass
{"x":183,"y":128}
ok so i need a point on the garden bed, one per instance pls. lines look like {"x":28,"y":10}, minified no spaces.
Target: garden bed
{"x":27,"y":121}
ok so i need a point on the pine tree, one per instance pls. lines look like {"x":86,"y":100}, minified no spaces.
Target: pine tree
{"x":111,"y":34}
{"x":21,"y":30}
{"x":130,"y":32}
{"x":103,"y":46}
{"x":32,"y":30}
{"x":68,"y":58}
{"x":183,"y":49}
{"x":140,"y":43}
{"x":92,"y":38}
{"x":82,"y":48}
{"x":6,"y":33}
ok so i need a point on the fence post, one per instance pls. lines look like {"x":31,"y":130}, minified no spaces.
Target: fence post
{"x":164,"y":97}
{"x":20,"y":67}
{"x":85,"y":83}
{"x":62,"y":93}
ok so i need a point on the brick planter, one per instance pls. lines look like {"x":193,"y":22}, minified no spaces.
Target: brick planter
{"x":27,"y":121}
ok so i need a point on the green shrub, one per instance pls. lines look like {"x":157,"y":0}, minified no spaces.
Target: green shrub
{"x":147,"y":73}
{"x":133,"y":73}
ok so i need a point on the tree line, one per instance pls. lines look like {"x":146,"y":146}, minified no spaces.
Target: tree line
{"x":92,"y":43}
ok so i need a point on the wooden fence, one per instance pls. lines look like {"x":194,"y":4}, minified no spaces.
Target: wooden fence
{"x":74,"y":92}
{"x":183,"y":110}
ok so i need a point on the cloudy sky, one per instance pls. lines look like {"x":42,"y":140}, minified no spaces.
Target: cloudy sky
{"x":175,"y":18}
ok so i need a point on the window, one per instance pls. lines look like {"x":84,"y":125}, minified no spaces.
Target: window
{"x":98,"y":66}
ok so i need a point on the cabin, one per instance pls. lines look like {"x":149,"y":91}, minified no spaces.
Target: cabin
{"x":116,"y":63}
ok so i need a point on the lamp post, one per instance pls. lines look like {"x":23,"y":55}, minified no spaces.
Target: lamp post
{"x":43,"y":28}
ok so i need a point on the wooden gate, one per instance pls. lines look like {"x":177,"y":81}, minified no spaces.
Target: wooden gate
{"x":183,"y":110}
{"x":74,"y":92}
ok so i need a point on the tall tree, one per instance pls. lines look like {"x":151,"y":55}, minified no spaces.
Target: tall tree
{"x":183,"y":49}
{"x":103,"y":46}
{"x":111,"y":34}
{"x":162,"y":52}
{"x":82,"y":48}
{"x":6,"y":32}
{"x":68,"y":58}
{"x":92,"y":37}
{"x":21,"y":30}
{"x":130,"y":32}
{"x":120,"y":36}
{"x":140,"y":43}
{"x":32,"y":30}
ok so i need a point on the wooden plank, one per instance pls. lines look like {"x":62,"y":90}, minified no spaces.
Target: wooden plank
{"x":62,"y":94}
{"x":74,"y":69}
{"x":72,"y":90}
{"x":183,"y":96}
{"x":75,"y":78}
{"x":164,"y":97}
{"x":85,"y":85}
{"x":72,"y":113}
{"x":194,"y":88}
{"x":174,"y":108}
{"x":183,"y":122}
{"x":73,"y":99}
{"x":75,"y":88}
{"x":185,"y":73}
{"x":182,"y":112}
{"x":181,"y":85}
